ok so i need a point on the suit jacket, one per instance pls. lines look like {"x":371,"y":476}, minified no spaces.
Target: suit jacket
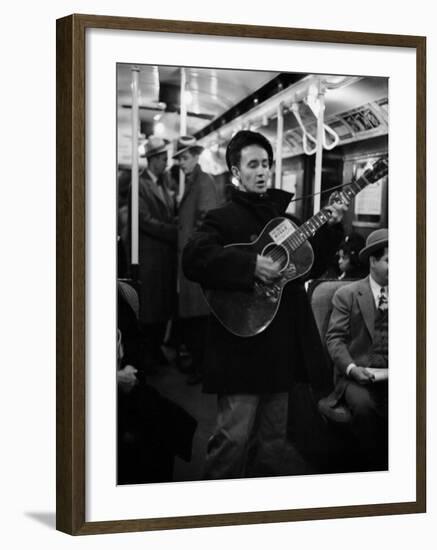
{"x":157,"y":251}
{"x":350,"y":333}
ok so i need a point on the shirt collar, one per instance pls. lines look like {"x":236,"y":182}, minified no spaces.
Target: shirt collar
{"x":376,"y":289}
{"x":152,"y":175}
{"x":194,"y":172}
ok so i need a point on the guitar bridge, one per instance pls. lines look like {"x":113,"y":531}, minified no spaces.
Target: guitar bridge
{"x":269,"y":292}
{"x":290,"y":270}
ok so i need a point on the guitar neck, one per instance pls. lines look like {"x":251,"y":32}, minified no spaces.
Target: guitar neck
{"x":311,"y":226}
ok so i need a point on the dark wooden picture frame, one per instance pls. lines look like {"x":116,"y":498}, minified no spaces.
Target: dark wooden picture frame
{"x":71,"y":248}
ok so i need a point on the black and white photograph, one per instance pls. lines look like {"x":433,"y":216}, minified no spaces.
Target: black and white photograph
{"x":198,"y":317}
{"x":252,"y":274}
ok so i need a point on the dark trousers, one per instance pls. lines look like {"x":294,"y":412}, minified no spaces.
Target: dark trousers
{"x":369,"y":408}
{"x":152,"y":337}
{"x":194,"y":337}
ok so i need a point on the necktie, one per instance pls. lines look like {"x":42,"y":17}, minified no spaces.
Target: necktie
{"x":382,"y":299}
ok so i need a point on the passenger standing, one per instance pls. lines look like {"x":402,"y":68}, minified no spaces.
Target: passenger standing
{"x":199,"y":197}
{"x":157,"y":252}
{"x":252,"y":376}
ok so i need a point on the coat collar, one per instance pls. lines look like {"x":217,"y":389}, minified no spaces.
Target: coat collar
{"x":277,"y":198}
{"x":194,"y":173}
{"x":367,"y":304}
{"x":190,"y":179}
{"x":152,"y":187}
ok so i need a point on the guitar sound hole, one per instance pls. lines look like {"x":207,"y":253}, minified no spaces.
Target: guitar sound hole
{"x":278,"y":253}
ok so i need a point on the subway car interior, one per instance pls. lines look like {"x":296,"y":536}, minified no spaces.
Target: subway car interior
{"x":326,"y":131}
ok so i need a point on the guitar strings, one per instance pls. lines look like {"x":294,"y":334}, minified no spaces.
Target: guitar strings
{"x":296,"y":240}
{"x":296,"y":237}
{"x":303,"y":197}
{"x":353,"y":182}
{"x":301,"y":235}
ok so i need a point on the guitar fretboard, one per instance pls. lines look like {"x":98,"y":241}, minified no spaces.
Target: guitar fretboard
{"x":311,"y":226}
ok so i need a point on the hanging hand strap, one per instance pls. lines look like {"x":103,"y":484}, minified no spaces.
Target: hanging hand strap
{"x":307,"y":137}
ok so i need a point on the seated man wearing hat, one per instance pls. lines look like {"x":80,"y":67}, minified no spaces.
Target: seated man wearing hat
{"x":357,"y":341}
{"x":157,"y":252}
{"x":198,"y":197}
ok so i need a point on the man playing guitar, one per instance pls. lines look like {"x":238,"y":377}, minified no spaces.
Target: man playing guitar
{"x":252,"y":375}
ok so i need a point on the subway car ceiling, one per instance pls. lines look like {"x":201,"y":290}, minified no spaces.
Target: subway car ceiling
{"x":220,"y":102}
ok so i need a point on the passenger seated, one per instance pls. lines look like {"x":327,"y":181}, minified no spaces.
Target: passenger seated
{"x":151,"y":429}
{"x":127,"y":374}
{"x":357,"y":341}
{"x":347,"y":263}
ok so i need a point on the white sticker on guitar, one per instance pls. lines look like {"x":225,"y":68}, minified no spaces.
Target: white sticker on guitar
{"x":282,"y":231}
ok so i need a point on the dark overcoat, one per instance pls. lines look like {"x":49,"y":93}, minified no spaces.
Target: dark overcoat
{"x":200,"y":196}
{"x":157,"y":251}
{"x":289,"y":349}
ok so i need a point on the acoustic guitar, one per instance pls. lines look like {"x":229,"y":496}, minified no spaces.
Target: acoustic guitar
{"x":248,"y":312}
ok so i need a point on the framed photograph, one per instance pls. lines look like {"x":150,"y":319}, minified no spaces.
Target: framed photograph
{"x":225,"y":199}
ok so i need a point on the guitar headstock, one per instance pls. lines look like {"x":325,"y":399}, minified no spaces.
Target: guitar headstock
{"x":378,"y":170}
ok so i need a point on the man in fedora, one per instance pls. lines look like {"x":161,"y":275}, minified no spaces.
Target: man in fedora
{"x":157,"y":252}
{"x":199,"y":196}
{"x":357,"y":341}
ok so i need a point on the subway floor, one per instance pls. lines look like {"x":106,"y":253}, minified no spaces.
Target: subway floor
{"x":312,"y":447}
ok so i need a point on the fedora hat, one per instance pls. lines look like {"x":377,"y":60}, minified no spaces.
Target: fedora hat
{"x":155,"y":146}
{"x":187,"y":143}
{"x":376,"y":240}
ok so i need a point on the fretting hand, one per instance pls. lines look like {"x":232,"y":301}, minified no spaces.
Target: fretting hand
{"x":267,"y":270}
{"x":338,"y":205}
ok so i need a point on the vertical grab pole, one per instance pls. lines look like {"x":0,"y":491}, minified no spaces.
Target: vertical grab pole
{"x":279,"y":141}
{"x":319,"y":150}
{"x":135,"y":175}
{"x":182,"y":130}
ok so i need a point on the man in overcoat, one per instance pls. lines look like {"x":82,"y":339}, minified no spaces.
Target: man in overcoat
{"x":157,"y":252}
{"x":357,"y":341}
{"x":252,"y":376}
{"x":199,"y":196}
